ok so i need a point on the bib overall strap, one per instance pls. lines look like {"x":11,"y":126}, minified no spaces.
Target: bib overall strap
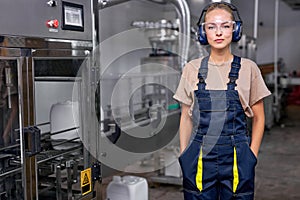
{"x":234,"y":72}
{"x":202,"y":73}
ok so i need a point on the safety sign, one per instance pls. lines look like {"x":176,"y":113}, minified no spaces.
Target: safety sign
{"x":86,"y":181}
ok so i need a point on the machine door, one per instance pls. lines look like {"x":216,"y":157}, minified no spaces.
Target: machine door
{"x":57,"y":113}
{"x":11,"y":153}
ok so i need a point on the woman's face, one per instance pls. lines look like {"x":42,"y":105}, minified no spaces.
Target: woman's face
{"x":218,"y":28}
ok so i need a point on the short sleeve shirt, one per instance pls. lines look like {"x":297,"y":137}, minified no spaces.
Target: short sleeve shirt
{"x":250,"y":84}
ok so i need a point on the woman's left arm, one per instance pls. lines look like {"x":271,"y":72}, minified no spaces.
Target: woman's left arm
{"x":258,"y":125}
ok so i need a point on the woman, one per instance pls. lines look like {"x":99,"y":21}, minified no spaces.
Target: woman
{"x":216,"y":94}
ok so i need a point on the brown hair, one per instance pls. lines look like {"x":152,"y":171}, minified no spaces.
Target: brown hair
{"x":219,"y":6}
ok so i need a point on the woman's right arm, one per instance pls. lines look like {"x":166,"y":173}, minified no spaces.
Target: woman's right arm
{"x":185,"y":129}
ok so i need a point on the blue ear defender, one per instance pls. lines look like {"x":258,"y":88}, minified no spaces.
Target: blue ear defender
{"x":202,"y":36}
{"x":237,"y":33}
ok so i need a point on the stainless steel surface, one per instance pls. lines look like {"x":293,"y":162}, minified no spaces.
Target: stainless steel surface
{"x":12,"y":154}
{"x":69,"y":45}
{"x":22,"y":21}
{"x":44,"y":41}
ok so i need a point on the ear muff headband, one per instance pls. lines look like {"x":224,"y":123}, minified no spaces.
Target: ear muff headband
{"x":237,"y":33}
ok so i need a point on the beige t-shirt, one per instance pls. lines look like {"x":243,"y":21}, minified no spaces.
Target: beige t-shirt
{"x":250,"y":84}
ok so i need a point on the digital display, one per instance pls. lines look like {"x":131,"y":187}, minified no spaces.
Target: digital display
{"x":72,"y":17}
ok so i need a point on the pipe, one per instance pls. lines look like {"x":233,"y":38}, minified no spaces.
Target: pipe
{"x":276,"y":52}
{"x":184,"y":27}
{"x":255,"y":19}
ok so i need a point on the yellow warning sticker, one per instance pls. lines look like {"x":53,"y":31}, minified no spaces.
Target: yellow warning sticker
{"x":86,"y":181}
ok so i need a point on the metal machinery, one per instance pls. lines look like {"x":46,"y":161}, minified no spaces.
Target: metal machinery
{"x":58,"y":119}
{"x":45,"y":46}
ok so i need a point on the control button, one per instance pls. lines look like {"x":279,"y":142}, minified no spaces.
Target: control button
{"x":52,"y":3}
{"x":52,"y":23}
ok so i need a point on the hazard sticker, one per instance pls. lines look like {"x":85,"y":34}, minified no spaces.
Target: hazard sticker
{"x":86,"y":181}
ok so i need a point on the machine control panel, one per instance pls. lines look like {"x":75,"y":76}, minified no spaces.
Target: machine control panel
{"x":57,"y":19}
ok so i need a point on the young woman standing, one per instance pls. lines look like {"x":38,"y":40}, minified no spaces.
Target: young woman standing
{"x":217,"y":92}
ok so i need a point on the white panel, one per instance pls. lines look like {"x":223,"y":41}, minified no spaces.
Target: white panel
{"x":48,"y":93}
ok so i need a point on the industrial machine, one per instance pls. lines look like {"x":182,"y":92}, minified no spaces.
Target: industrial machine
{"x":63,"y":112}
{"x":43,"y":48}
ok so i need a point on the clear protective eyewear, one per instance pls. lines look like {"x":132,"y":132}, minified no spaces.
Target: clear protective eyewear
{"x":223,"y":26}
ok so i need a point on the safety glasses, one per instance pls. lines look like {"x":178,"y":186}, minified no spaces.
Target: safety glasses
{"x":222,"y":26}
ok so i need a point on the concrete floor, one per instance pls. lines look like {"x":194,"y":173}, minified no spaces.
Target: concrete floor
{"x":277,"y":171}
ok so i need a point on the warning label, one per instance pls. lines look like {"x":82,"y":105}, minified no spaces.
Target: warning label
{"x":85,"y":179}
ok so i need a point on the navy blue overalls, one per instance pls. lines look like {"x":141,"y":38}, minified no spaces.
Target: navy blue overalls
{"x":218,"y":163}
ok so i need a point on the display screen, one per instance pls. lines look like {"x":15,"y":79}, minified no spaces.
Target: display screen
{"x":72,"y":17}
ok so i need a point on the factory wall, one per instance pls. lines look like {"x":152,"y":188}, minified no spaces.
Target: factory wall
{"x":118,"y":19}
{"x":289,"y":26}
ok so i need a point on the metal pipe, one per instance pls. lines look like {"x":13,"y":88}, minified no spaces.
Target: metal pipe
{"x":9,"y":147}
{"x":255,"y":19}
{"x":58,"y":182}
{"x":63,"y":131}
{"x":184,"y":27}
{"x":64,"y":142}
{"x":10,"y":172}
{"x":276,"y":52}
{"x":66,"y":152}
{"x":69,"y":179}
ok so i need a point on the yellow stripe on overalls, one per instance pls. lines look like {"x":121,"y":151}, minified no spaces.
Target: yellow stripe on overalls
{"x":199,"y":172}
{"x":235,"y":171}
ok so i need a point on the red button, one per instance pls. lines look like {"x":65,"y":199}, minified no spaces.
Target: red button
{"x":52,"y":23}
{"x":55,"y":23}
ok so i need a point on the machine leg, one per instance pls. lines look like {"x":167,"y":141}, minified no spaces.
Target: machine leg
{"x":58,"y":182}
{"x":69,"y":179}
